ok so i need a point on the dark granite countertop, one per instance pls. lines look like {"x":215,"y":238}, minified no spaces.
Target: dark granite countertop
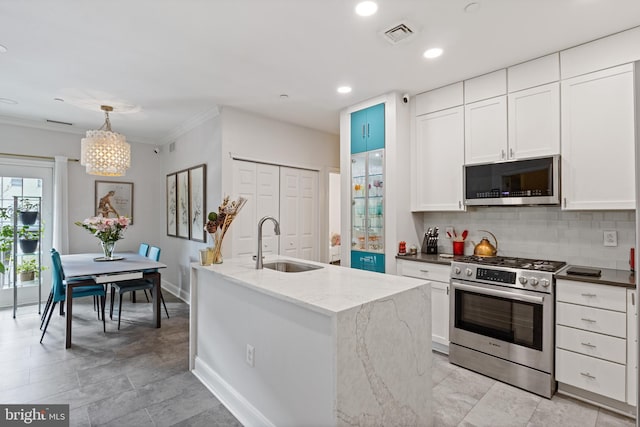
{"x":433,"y":259}
{"x":608,"y":276}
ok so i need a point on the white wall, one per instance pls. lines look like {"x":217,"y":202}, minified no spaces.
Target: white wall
{"x":231,"y":131}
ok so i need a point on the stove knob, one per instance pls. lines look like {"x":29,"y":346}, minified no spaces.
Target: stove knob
{"x":545,"y":282}
{"x":533,"y":281}
{"x":456,"y":270}
{"x":468,"y":272}
{"x":523,"y":280}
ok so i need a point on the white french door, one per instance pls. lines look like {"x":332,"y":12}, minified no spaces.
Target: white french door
{"x":28,"y":178}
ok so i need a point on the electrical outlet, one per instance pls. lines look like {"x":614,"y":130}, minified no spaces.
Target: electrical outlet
{"x":610,"y":238}
{"x":450,"y":231}
{"x":250,"y":355}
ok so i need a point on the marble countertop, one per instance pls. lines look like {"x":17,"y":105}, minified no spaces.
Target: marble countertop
{"x":608,"y":276}
{"x":328,"y":290}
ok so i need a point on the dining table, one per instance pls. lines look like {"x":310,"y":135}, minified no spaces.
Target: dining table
{"x":93,"y":266}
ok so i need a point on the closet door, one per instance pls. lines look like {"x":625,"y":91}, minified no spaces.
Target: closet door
{"x":260,"y":184}
{"x":299,"y":213}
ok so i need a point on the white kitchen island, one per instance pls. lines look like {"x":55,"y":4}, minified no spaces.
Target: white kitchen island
{"x":331,"y":347}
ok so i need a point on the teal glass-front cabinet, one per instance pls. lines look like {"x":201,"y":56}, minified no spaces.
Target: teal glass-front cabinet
{"x":367,"y":129}
{"x":367,"y":210}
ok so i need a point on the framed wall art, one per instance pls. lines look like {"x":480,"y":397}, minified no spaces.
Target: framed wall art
{"x":197,"y":202}
{"x":113,"y":199}
{"x":172,"y":205}
{"x":182,"y":214}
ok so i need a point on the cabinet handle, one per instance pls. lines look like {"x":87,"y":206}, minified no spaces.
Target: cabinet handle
{"x":511,"y":153}
{"x":459,"y":204}
{"x":362,"y":131}
{"x":502,"y":155}
{"x":565,"y":202}
{"x":447,"y":290}
{"x":588,"y":375}
{"x":588,"y":295}
{"x":424,"y":271}
{"x":588,"y":344}
{"x":633,"y":298}
{"x":588,"y":320}
{"x":367,"y":130}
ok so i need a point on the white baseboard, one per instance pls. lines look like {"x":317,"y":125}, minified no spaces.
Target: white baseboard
{"x":175,"y":291}
{"x":240,"y":407}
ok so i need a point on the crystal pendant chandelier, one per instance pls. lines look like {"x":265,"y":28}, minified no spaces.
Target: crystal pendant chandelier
{"x":104,"y":152}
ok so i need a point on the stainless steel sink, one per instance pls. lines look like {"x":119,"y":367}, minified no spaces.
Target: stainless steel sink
{"x":290,"y":267}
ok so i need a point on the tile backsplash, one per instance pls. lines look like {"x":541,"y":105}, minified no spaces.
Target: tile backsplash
{"x":543,"y":232}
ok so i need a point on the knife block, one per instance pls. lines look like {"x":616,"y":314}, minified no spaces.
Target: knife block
{"x":429,"y":245}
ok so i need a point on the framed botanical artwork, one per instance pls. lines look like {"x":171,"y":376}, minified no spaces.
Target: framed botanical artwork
{"x":114,"y":198}
{"x":182,"y":206}
{"x":197,"y":203}
{"x":172,"y":205}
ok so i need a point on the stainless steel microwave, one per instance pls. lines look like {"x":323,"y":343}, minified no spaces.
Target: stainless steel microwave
{"x":519,"y":182}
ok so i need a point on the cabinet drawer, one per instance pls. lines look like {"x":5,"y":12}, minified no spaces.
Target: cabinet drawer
{"x":592,"y":319}
{"x":592,"y":344}
{"x":588,"y":373}
{"x":424,"y":270}
{"x":592,"y":295}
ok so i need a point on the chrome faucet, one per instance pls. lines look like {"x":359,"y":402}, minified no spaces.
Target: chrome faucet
{"x":276,"y":229}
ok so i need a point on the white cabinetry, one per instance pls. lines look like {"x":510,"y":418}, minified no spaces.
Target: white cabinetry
{"x":438,"y":275}
{"x":598,"y":140}
{"x":485,"y":131}
{"x":439,"y":157}
{"x":591,"y":338}
{"x":534,"y":122}
{"x":632,"y":347}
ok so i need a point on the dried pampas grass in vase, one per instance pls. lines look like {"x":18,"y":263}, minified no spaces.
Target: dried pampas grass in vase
{"x":218,"y":224}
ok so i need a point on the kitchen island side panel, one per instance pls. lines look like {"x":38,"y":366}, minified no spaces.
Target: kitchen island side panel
{"x":384,"y":361}
{"x":292,"y":381}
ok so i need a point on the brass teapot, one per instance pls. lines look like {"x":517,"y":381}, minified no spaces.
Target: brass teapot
{"x":485,"y":248}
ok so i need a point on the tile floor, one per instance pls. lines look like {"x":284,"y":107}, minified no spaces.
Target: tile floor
{"x":139,"y":376}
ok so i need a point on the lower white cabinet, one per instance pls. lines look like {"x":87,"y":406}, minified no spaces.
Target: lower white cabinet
{"x":593,"y":339}
{"x":632,"y":347}
{"x":438,"y":275}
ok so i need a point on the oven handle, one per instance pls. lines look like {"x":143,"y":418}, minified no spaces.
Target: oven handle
{"x":499,"y":293}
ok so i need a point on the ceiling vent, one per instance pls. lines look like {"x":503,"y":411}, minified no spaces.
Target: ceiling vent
{"x":56,"y":122}
{"x":398,"y":33}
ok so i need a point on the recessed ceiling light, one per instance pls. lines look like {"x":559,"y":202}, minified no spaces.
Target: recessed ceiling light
{"x":3,"y":49}
{"x":8,"y":101}
{"x":366,"y":8}
{"x":434,"y":52}
{"x":344,"y":89}
{"x":472,"y":7}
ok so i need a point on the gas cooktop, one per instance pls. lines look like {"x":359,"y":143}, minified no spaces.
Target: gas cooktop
{"x":522,"y":263}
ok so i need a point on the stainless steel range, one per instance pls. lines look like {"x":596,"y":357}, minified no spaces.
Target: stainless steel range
{"x":502,"y":319}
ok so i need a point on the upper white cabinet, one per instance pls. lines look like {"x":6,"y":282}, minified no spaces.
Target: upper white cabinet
{"x":598,"y":140}
{"x":440,"y":99}
{"x":616,"y":49}
{"x":485,"y":131}
{"x":438,"y":161}
{"x":534,"y":122}
{"x":486,"y":86}
{"x":532,"y":73}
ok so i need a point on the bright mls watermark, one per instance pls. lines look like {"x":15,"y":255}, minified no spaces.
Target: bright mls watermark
{"x":34,"y":415}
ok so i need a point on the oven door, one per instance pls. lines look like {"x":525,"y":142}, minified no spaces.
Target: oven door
{"x":511,"y":324}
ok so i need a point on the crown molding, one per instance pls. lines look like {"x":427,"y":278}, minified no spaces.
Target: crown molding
{"x":190,"y":124}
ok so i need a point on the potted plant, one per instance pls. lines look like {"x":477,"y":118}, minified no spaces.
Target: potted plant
{"x":28,"y":269}
{"x":6,"y":240}
{"x":27,"y":211}
{"x":28,"y":239}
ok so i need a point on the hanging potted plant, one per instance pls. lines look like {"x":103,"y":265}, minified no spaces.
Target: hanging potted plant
{"x":27,"y":211}
{"x":28,"y":240}
{"x":28,"y":270}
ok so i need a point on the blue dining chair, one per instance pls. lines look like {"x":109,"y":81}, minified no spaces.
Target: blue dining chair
{"x":58,"y":291}
{"x":135,"y":285}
